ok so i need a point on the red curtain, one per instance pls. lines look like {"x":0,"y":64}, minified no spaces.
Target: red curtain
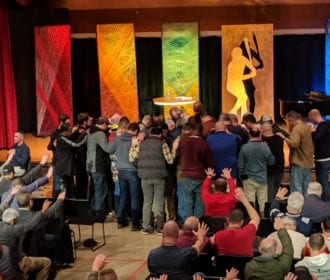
{"x":8,"y":109}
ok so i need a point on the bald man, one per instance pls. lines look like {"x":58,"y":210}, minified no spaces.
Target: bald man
{"x":321,"y":139}
{"x":269,"y":265}
{"x":224,"y":147}
{"x":171,"y":260}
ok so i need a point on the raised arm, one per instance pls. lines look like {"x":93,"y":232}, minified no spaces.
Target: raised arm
{"x":200,"y":235}
{"x":253,"y":215}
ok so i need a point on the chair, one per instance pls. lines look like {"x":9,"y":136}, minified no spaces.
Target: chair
{"x":77,"y":212}
{"x":204,"y":264}
{"x":214,"y":223}
{"x":226,"y":262}
{"x":265,"y":228}
{"x":316,"y":227}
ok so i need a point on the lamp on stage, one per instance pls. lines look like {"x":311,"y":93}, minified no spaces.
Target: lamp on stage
{"x":173,"y":100}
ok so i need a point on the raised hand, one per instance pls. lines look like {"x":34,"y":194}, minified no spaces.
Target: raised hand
{"x":281,"y":193}
{"x":99,"y":262}
{"x":232,"y":274}
{"x":226,"y":173}
{"x":210,"y":172}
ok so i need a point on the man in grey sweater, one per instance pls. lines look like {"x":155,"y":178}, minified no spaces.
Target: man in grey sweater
{"x":252,"y":163}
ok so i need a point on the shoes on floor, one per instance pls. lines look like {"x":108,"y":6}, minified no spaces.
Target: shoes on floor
{"x":136,"y":228}
{"x":122,"y":225}
{"x":160,"y":232}
{"x":147,"y":231}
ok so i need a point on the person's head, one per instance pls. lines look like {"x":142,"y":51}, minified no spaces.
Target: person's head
{"x":65,"y":130}
{"x":197,"y":129}
{"x":267,"y":247}
{"x":186,"y":129}
{"x":175,"y":113}
{"x":147,"y":121}
{"x":18,"y":137}
{"x":249,"y":121}
{"x":198,"y":107}
{"x":293,"y":118}
{"x":326,"y":224}
{"x":289,"y":222}
{"x":17,"y":182}
{"x":235,"y":218}
{"x":220,"y":126}
{"x":220,"y":185}
{"x":8,"y":171}
{"x":170,"y":124}
{"x":191,"y":223}
{"x":316,"y":243}
{"x":315,"y":188}
{"x":302,"y":273}
{"x":107,"y":274}
{"x":266,"y":128}
{"x":133,"y":128}
{"x":295,"y":202}
{"x":315,"y":116}
{"x":10,"y":216}
{"x":233,"y":119}
{"x":102,"y":123}
{"x":254,"y":133}
{"x":266,"y":119}
{"x":24,"y":200}
{"x":170,"y":232}
{"x":62,"y":119}
{"x":156,"y":132}
{"x":82,"y":119}
{"x":223,"y":116}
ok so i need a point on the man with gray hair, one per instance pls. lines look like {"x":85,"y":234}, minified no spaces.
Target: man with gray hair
{"x":10,"y":233}
{"x":294,"y":207}
{"x":298,"y":239}
{"x":314,"y":207}
{"x":270,"y":265}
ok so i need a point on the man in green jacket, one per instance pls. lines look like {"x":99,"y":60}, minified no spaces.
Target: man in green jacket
{"x":269,"y":265}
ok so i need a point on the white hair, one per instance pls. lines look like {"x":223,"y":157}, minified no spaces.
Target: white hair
{"x":315,"y":188}
{"x":9,"y":215}
{"x":289,"y":221}
{"x":296,"y":201}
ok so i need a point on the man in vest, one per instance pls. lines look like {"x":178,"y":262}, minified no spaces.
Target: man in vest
{"x":152,"y":155}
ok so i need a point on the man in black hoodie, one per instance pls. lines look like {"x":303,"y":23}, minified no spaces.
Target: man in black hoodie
{"x":321,"y":139}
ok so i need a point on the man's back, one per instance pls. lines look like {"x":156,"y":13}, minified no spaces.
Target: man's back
{"x":195,"y":156}
{"x":236,"y":241}
{"x":315,"y":208}
{"x":320,"y":265}
{"x":176,"y":262}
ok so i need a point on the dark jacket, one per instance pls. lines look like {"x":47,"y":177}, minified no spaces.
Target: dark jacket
{"x":321,"y":138}
{"x":151,"y":163}
{"x":274,"y":268}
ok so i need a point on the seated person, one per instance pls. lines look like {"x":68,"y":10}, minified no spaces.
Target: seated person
{"x":18,"y":182}
{"x":187,"y":238}
{"x":294,"y":207}
{"x":237,"y":239}
{"x":7,"y":174}
{"x":298,"y":239}
{"x":319,"y":261}
{"x":300,"y":273}
{"x":10,"y":234}
{"x":171,"y":260}
{"x":218,"y":203}
{"x":314,"y":207}
{"x":98,"y":273}
{"x":18,"y":155}
{"x":269,"y":265}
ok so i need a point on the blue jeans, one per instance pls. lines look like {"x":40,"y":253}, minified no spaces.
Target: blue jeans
{"x":181,"y":202}
{"x":129,"y":190}
{"x":299,"y":179}
{"x":99,"y":181}
{"x":322,"y":169}
{"x":192,"y":197}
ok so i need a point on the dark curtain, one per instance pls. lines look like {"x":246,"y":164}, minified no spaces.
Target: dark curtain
{"x":210,"y":74}
{"x":298,"y":66}
{"x":8,"y":110}
{"x":149,"y":74}
{"x":85,"y":77}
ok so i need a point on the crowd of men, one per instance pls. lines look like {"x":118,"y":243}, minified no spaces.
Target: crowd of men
{"x":163,"y":174}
